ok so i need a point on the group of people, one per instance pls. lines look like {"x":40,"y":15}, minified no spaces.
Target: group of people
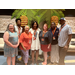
{"x":54,"y":40}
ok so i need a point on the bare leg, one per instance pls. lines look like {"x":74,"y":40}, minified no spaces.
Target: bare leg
{"x":25,"y":63}
{"x":13,"y":60}
{"x":32,"y":57}
{"x":37,"y":53}
{"x":29,"y":58}
{"x":45,"y":57}
{"x":8,"y":60}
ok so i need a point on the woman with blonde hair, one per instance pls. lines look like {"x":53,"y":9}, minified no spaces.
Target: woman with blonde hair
{"x":25,"y":40}
{"x":45,"y":40}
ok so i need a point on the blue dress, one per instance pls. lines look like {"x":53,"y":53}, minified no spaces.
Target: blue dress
{"x":9,"y":51}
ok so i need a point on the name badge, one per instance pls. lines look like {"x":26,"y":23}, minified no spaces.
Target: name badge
{"x":53,"y":38}
{"x":29,"y":41}
{"x":42,"y":39}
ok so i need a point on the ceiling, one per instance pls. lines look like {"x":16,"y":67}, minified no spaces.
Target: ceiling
{"x":67,"y":12}
{"x":6,"y":11}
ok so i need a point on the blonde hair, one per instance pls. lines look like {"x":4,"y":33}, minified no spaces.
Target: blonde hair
{"x":26,"y":26}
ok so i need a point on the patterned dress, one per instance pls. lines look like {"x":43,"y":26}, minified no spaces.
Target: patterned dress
{"x":9,"y":51}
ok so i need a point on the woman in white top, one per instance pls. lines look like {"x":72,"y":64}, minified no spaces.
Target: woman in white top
{"x":35,"y":46}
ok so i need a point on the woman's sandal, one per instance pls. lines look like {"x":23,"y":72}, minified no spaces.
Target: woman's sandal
{"x":44,"y":63}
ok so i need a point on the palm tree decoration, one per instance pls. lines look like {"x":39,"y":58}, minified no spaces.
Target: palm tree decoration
{"x":24,"y":12}
{"x":48,"y":13}
{"x":39,"y":15}
{"x":30,"y":13}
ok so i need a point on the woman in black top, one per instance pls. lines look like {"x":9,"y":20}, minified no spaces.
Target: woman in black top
{"x":54,"y":45}
{"x":45,"y":40}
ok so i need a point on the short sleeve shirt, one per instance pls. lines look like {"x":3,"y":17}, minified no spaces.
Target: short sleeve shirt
{"x":63,"y":35}
{"x":25,"y":39}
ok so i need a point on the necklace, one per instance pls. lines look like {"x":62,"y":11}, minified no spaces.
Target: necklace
{"x":43,"y":33}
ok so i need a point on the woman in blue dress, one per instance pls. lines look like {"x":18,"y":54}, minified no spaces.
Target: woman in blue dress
{"x":11,"y":43}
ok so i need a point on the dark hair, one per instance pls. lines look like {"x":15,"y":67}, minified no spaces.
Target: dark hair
{"x":17,"y":20}
{"x":8,"y":27}
{"x":33,"y":24}
{"x":45,"y":22}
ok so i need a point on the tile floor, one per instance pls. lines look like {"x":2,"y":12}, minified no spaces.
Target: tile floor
{"x":3,"y":61}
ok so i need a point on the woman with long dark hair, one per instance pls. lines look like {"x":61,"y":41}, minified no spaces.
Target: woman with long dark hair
{"x":35,"y":46}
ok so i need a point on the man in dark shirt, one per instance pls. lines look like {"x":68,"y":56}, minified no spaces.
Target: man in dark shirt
{"x":54,"y":45}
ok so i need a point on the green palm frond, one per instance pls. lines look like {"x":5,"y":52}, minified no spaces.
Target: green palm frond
{"x":27,"y":12}
{"x":49,"y":13}
{"x":39,"y":15}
